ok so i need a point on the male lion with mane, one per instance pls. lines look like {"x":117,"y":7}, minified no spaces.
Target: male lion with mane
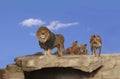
{"x":49,"y":40}
{"x":95,"y":43}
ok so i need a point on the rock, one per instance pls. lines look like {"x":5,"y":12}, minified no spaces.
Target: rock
{"x":2,"y":71}
{"x":82,"y":62}
{"x":4,"y":74}
{"x":111,"y":67}
{"x":39,"y":66}
{"x":15,"y":72}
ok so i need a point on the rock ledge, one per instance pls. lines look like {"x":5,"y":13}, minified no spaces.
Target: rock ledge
{"x":85,"y":63}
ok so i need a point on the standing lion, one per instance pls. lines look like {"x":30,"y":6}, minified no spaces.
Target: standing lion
{"x":96,"y":43}
{"x":49,"y":40}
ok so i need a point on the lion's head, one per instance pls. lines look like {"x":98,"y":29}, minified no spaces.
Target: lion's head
{"x":95,"y":40}
{"x":83,"y":49}
{"x":43,"y":34}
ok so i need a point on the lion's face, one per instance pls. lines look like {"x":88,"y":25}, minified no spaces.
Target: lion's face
{"x":83,"y":48}
{"x":43,"y":34}
{"x":95,"y":40}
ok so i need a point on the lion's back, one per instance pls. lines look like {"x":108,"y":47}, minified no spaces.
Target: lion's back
{"x":59,"y":39}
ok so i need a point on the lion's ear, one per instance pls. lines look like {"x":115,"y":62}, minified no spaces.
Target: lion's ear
{"x":94,"y":35}
{"x":76,"y":41}
{"x":85,"y":44}
{"x":98,"y":35}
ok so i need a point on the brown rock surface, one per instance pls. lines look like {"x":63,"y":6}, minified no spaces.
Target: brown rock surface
{"x":66,"y":67}
{"x":111,"y":67}
{"x":14,"y":72}
{"x":83,"y":62}
{"x":2,"y":71}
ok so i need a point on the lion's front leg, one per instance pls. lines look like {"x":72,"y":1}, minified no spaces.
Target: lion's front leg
{"x":95,"y":51}
{"x":99,"y":50}
{"x":91,"y":50}
{"x":47,"y":52}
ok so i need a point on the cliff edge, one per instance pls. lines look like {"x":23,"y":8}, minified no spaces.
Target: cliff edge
{"x":80,"y":66}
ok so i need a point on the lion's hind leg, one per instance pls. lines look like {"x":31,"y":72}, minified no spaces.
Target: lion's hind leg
{"x":60,"y":50}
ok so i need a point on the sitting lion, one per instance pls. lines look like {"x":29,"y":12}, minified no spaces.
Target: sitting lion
{"x":69,"y":50}
{"x":49,"y":40}
{"x":95,"y":43}
{"x":81,"y":49}
{"x":76,"y":49}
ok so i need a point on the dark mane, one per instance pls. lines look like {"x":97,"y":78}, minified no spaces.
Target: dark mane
{"x":49,"y":43}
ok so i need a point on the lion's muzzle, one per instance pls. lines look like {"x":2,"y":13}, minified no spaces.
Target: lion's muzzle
{"x":42,"y":36}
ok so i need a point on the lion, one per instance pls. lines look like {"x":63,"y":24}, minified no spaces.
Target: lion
{"x":96,"y":43}
{"x":69,"y":50}
{"x":49,"y":40}
{"x":81,"y":49}
{"x":76,"y":49}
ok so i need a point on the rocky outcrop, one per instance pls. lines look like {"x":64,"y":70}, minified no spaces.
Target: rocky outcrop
{"x":2,"y":71}
{"x":111,"y":67}
{"x":12,"y":71}
{"x":66,"y":67}
{"x":82,"y":62}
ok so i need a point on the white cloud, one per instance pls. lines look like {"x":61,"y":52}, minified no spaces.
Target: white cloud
{"x":55,"y":25}
{"x":32,"y":22}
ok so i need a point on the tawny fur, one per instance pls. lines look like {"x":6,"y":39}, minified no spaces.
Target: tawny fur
{"x":69,"y":50}
{"x":81,"y":49}
{"x":76,"y":49}
{"x":49,"y":40}
{"x":95,"y":43}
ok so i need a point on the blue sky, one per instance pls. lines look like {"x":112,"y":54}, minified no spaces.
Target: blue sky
{"x":75,"y":19}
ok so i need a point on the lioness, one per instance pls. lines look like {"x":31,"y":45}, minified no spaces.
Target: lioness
{"x":81,"y":49}
{"x":75,"y":49}
{"x":69,"y":50}
{"x":95,"y":43}
{"x":49,"y":40}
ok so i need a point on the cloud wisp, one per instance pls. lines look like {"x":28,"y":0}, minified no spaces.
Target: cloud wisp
{"x":32,"y":22}
{"x":55,"y":25}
